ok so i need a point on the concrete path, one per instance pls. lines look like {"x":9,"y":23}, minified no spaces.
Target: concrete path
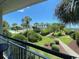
{"x":68,"y":49}
{"x":49,"y":34}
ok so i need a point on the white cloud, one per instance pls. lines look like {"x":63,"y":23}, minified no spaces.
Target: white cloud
{"x":22,"y":10}
{"x":28,"y":7}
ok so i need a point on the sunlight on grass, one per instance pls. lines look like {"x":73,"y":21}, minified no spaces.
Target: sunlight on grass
{"x":51,"y":56}
{"x":66,"y":39}
{"x":45,"y":40}
{"x":42,"y":43}
{"x":47,"y":55}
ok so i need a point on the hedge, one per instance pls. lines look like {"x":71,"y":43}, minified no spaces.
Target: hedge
{"x":55,"y":47}
{"x":33,"y":36}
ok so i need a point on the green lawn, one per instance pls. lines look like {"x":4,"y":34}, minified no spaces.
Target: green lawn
{"x":42,"y":43}
{"x":66,"y":39}
{"x":45,"y":40}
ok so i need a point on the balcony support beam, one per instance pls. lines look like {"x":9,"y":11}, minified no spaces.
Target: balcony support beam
{"x":0,"y":20}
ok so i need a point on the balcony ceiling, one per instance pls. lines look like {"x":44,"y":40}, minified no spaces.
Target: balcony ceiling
{"x":13,"y":5}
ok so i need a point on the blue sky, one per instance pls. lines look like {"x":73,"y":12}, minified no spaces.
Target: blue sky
{"x":42,"y":12}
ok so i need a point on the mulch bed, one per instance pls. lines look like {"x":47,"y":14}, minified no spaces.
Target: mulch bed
{"x":47,"y":46}
{"x":74,"y":46}
{"x":60,"y":47}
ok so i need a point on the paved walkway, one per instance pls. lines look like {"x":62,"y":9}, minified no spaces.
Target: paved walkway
{"x":68,"y":49}
{"x":49,"y":34}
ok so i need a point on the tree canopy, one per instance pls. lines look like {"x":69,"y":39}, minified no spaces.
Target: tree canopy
{"x":25,"y":21}
{"x":5,"y":24}
{"x":68,"y":11}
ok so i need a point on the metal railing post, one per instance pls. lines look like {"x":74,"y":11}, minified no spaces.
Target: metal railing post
{"x":25,"y":52}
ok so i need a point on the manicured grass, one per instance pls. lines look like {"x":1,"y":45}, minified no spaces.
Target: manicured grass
{"x":45,"y":40}
{"x":66,"y":39}
{"x":51,"y":56}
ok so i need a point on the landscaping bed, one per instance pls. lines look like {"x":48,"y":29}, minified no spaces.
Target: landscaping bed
{"x":45,"y":42}
{"x":74,"y":46}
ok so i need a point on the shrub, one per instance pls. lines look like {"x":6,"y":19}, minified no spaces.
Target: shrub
{"x":20,"y":36}
{"x":57,"y":42}
{"x":59,"y":34}
{"x":77,"y":38}
{"x":69,"y":32}
{"x":29,"y":32}
{"x":55,"y":47}
{"x":6,"y":32}
{"x":33,"y":36}
{"x":66,"y":31}
{"x":36,"y":29}
{"x":73,"y":35}
{"x":78,"y":42}
{"x":45,"y":32}
{"x":25,"y":33}
{"x":52,"y":43}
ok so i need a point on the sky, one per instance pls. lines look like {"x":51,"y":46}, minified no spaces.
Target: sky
{"x":42,"y":12}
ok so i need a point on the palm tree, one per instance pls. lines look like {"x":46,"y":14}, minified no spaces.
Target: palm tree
{"x":25,"y":21}
{"x":5,"y":24}
{"x":14,"y":26}
{"x":68,"y":12}
{"x":5,"y":27}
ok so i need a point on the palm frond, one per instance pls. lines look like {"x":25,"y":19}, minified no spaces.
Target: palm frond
{"x":66,"y":14}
